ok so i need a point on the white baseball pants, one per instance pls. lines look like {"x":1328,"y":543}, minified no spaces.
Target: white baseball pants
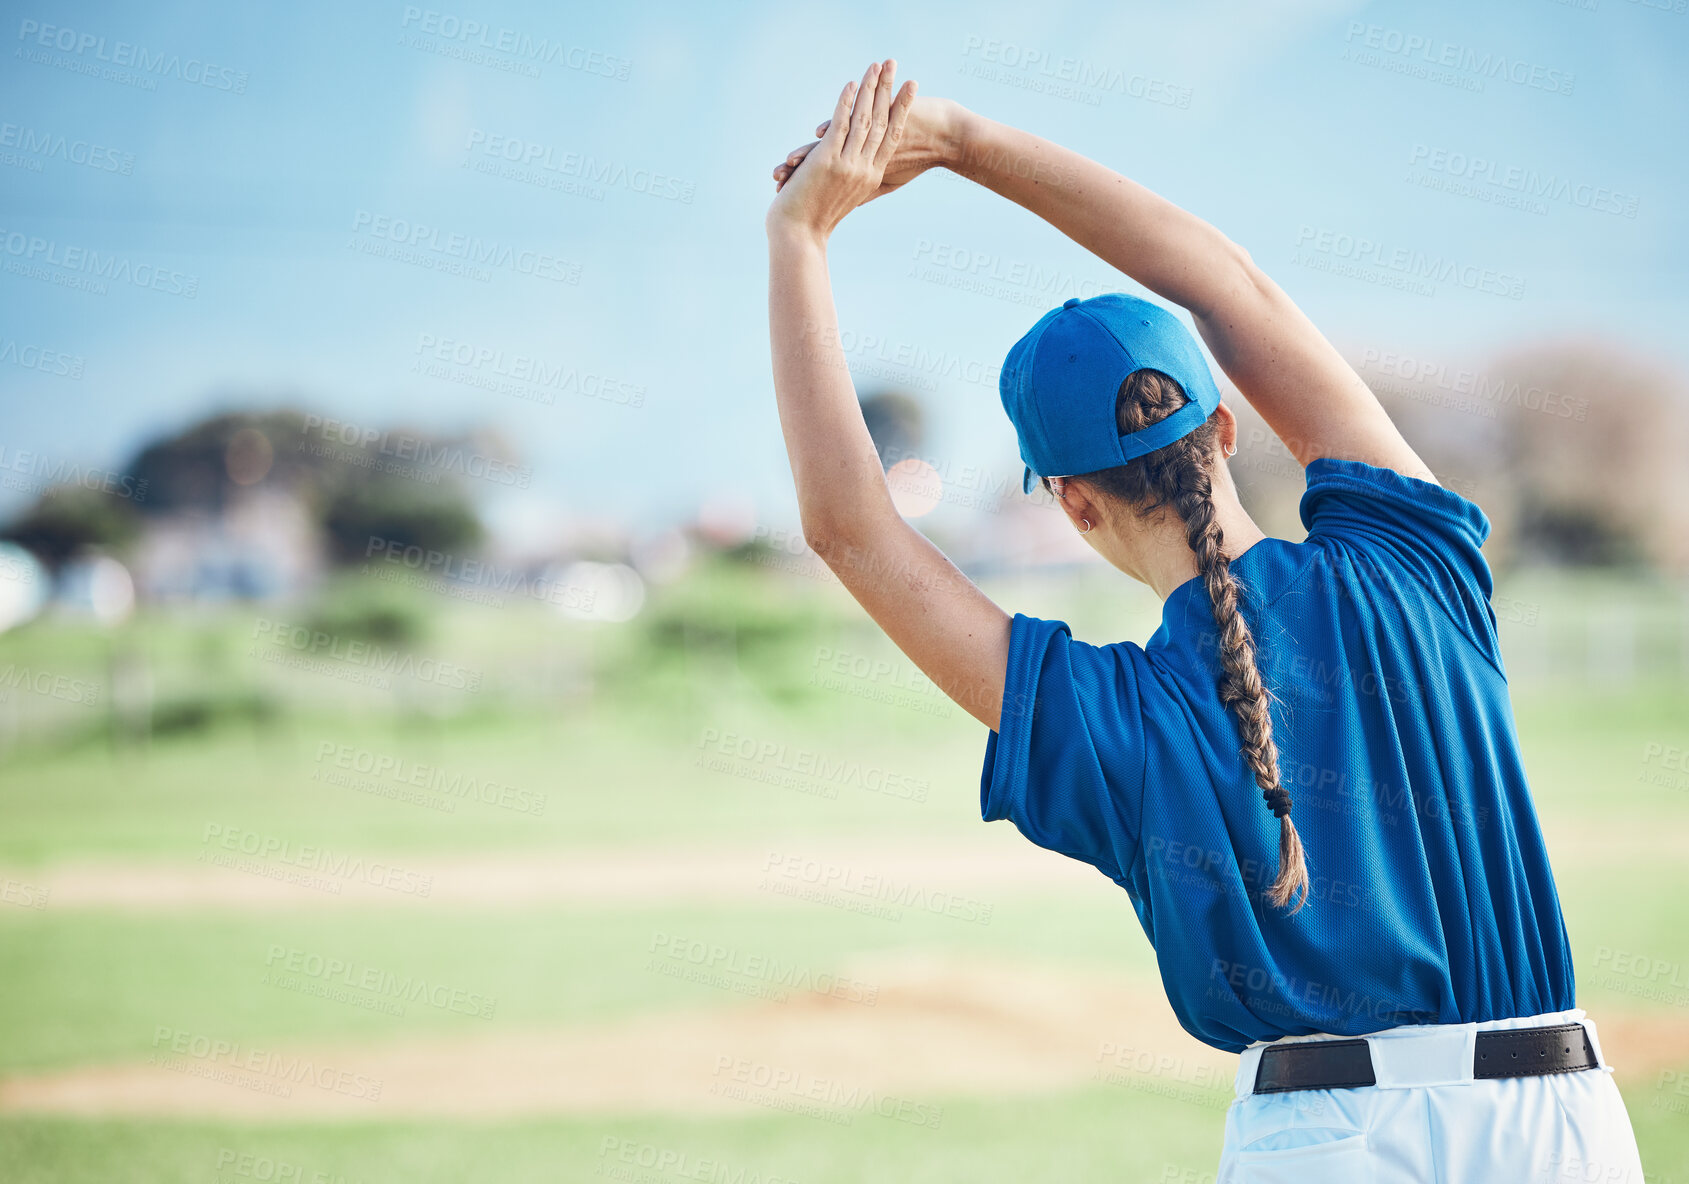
{"x":1428,"y":1121}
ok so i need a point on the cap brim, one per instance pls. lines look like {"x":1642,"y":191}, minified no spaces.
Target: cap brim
{"x":1029,"y":482}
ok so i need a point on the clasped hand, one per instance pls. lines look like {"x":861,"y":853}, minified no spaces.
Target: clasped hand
{"x":879,"y":138}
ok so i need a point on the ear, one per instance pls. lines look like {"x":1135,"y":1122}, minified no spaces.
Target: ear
{"x":1077,"y":501}
{"x":1226,"y":421}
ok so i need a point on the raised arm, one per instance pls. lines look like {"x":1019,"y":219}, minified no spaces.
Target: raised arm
{"x":1281,"y":363}
{"x":934,"y":614}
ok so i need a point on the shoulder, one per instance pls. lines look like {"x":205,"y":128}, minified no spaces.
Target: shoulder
{"x":1045,"y":657}
{"x":1417,"y":538}
{"x":1339,"y":491}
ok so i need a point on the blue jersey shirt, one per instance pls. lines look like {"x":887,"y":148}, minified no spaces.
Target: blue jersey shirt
{"x":1431,"y":899}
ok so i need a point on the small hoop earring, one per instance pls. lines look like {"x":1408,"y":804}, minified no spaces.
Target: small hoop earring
{"x":1231,"y":450}
{"x":1087,"y":523}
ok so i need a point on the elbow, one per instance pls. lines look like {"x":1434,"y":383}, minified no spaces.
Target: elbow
{"x":1240,"y":260}
{"x":825,"y":535}
{"x":838,"y":529}
{"x":1234,"y":281}
{"x":1251,"y":276}
{"x":840,"y":538}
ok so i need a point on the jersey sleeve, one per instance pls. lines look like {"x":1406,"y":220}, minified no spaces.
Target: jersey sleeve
{"x":1067,"y":762}
{"x":1426,"y":529}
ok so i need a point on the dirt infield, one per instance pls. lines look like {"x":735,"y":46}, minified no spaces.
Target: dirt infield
{"x":930,"y":1029}
{"x":305,"y":878}
{"x":933,"y":1028}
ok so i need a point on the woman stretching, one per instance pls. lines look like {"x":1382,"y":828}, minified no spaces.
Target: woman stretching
{"x":1307,"y":781}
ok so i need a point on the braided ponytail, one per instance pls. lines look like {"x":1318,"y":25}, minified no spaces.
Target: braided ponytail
{"x":1180,"y":477}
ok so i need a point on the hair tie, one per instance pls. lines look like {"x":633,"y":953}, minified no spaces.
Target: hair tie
{"x":1278,"y":800}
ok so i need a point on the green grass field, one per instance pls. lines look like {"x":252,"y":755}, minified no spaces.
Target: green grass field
{"x":609,"y":724}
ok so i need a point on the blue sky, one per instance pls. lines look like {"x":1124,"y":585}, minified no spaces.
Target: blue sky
{"x":328,"y":130}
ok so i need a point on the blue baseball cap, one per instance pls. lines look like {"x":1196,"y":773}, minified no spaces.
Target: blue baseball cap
{"x":1060,"y":381}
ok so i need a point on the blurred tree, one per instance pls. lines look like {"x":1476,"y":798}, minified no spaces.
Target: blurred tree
{"x":398,"y":512}
{"x":1592,"y":443}
{"x":206,"y":465}
{"x":896,"y":423}
{"x":66,"y":519}
{"x":407,"y":486}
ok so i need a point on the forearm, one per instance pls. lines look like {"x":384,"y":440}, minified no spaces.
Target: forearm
{"x":1168,"y":250}
{"x":840,"y":485}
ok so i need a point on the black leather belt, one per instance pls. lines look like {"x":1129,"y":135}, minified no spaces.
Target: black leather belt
{"x":1347,"y":1064}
